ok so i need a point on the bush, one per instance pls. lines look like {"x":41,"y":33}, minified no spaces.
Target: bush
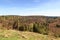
{"x":58,"y":26}
{"x":57,"y":35}
{"x":40,"y":28}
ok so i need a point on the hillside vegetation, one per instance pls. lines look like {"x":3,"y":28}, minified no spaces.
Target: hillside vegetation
{"x":38,"y":24}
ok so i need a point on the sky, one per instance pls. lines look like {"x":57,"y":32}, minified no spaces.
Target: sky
{"x":30,"y":7}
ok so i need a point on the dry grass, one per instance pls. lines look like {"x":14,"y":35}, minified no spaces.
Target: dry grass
{"x":18,"y":35}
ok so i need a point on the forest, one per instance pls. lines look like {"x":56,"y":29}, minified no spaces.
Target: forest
{"x":38,"y":24}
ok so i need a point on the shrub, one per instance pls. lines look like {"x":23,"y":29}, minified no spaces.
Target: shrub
{"x":40,"y":28}
{"x":58,"y":26}
{"x":57,"y":35}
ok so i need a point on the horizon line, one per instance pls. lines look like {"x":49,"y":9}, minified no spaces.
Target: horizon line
{"x":31,"y":15}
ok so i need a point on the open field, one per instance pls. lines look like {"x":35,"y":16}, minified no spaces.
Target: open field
{"x":18,"y":35}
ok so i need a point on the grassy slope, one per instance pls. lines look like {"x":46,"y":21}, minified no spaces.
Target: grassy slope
{"x":16,"y":35}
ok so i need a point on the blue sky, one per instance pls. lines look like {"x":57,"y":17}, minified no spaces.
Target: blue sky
{"x":30,"y":7}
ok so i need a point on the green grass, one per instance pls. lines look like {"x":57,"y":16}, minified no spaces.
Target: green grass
{"x":18,"y":35}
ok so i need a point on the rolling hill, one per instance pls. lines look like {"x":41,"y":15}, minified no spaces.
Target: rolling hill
{"x":43,"y":25}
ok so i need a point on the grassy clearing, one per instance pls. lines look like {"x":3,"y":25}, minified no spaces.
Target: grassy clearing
{"x":18,"y":35}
